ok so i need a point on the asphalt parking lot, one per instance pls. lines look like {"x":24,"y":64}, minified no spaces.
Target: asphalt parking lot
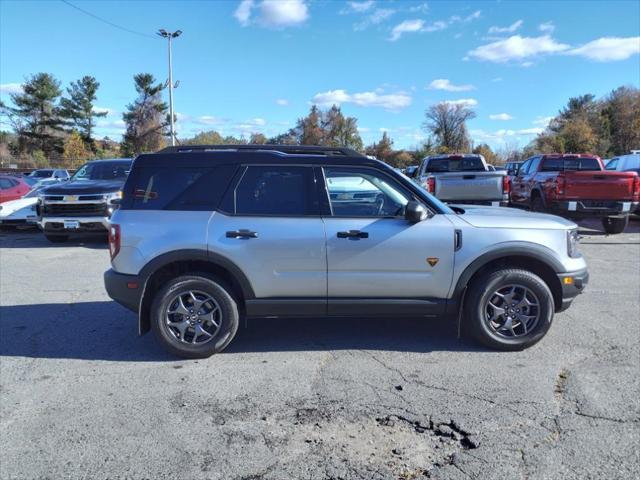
{"x":83,"y":397}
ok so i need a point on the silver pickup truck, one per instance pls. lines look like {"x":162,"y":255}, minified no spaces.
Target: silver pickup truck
{"x":464,"y":179}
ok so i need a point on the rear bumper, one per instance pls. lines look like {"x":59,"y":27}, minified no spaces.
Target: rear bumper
{"x":573,"y":284}
{"x":55,"y":225}
{"x":124,"y":289}
{"x":595,"y":208}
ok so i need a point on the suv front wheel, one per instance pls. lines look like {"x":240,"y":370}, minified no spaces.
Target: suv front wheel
{"x":509,"y":309}
{"x":194,"y":316}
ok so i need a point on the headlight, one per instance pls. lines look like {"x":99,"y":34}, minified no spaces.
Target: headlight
{"x":110,"y":197}
{"x":572,"y":243}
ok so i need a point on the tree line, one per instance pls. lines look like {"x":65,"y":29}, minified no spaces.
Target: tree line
{"x":52,"y":125}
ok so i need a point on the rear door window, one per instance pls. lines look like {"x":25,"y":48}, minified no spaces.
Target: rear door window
{"x":276,"y":191}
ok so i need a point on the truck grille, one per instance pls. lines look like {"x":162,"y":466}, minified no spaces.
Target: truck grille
{"x":75,"y":209}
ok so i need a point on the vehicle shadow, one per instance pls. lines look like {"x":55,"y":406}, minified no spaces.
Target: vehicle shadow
{"x":34,"y":238}
{"x":106,"y":331}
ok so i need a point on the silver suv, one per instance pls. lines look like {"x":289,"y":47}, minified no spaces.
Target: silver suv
{"x":206,"y":235}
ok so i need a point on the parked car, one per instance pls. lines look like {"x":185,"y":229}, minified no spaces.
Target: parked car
{"x":12,"y":188}
{"x":625,"y":163}
{"x":207,"y":234}
{"x":85,"y":203}
{"x":411,"y":171}
{"x":57,"y":174}
{"x":464,"y":179}
{"x":577,"y":186}
{"x":512,"y":168}
{"x":21,"y":212}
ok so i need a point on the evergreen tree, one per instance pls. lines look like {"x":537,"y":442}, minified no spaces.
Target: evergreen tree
{"x":146,"y":118}
{"x":78,"y":108}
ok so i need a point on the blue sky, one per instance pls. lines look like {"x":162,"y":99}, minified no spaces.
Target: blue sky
{"x":256,"y":66}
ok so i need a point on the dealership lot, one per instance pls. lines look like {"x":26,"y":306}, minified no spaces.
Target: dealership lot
{"x":84,"y":397}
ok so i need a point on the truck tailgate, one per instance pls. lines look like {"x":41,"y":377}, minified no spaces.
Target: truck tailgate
{"x":472,"y":186}
{"x":604,"y":185}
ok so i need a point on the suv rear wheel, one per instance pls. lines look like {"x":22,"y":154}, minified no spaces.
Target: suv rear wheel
{"x":194,"y":316}
{"x":509,"y":309}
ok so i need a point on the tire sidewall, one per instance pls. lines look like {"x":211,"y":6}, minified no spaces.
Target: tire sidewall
{"x":226,"y":302}
{"x":492,"y":283}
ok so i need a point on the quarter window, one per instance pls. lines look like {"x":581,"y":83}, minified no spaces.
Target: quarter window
{"x":364,"y":193}
{"x":276,"y":190}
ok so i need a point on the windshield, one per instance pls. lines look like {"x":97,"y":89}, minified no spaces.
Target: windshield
{"x":41,"y":173}
{"x":466,"y":164}
{"x":116,"y":170}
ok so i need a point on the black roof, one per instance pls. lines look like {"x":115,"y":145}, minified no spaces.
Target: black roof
{"x":200,"y":155}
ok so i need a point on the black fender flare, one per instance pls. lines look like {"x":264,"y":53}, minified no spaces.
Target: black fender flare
{"x":186,"y":255}
{"x":538,"y":189}
{"x":513,"y":249}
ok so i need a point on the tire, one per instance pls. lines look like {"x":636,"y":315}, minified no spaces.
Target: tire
{"x":537,"y":205}
{"x":57,"y":238}
{"x":613,"y":225}
{"x":483,"y":294}
{"x":166,"y":310}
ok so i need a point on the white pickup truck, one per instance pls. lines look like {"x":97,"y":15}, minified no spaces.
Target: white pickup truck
{"x":464,"y":178}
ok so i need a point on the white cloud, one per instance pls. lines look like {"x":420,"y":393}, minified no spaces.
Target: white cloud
{"x":467,"y":102}
{"x":113,"y":124}
{"x":360,"y":6}
{"x":407,"y":26}
{"x":272,"y":13}
{"x":497,"y":79}
{"x":517,"y":48}
{"x":421,"y":8}
{"x":547,"y":27}
{"x":378,"y":16}
{"x":11,"y":88}
{"x":444,"y":84}
{"x":283,"y":102}
{"x":181,"y":117}
{"x":542,"y":121}
{"x":510,"y":29}
{"x":501,"y":116}
{"x":501,"y":135}
{"x":243,"y":12}
{"x":391,"y":101}
{"x":608,"y":49}
{"x":436,"y":26}
{"x":209,"y":120}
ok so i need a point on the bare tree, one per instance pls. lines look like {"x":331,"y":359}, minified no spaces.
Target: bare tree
{"x":447,"y":123}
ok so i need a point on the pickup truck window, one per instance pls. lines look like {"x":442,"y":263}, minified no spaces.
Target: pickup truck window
{"x":117,"y":170}
{"x":468,"y":164}
{"x":571,"y":164}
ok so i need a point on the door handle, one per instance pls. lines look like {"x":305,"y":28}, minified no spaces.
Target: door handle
{"x":353,"y":234}
{"x":242,"y":234}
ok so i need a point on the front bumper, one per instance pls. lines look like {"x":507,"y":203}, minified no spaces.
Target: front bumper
{"x":124,"y":289}
{"x":595,"y":208}
{"x":56,"y":225}
{"x":573,"y":284}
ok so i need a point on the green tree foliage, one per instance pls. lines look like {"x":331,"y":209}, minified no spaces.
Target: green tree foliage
{"x":329,"y":128}
{"x":78,"y":107}
{"x":382,"y":150}
{"x":488,"y":154}
{"x":75,"y":150}
{"x":258,"y":139}
{"x":447,"y":123}
{"x":205,"y":138}
{"x":145,"y":118}
{"x":35,"y":115}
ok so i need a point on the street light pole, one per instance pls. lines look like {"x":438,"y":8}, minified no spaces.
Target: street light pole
{"x":170,"y":36}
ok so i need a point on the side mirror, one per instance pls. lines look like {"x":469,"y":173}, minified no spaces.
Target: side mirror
{"x":415,"y":212}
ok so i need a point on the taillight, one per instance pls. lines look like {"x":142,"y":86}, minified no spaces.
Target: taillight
{"x":636,"y":187}
{"x":114,"y":240}
{"x":506,"y":185}
{"x":560,"y":184}
{"x":431,"y":185}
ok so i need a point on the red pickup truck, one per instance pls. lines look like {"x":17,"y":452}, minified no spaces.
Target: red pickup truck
{"x":577,"y":186}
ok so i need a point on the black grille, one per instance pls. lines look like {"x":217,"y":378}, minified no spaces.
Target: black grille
{"x":76,"y":209}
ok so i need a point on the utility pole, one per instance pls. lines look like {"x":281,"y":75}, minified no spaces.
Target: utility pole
{"x":169,"y":35}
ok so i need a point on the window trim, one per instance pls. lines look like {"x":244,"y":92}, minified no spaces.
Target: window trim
{"x":239,"y":175}
{"x":327,"y":200}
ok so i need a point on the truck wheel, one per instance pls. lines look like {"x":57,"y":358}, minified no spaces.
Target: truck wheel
{"x":194,"y":316}
{"x":613,"y":225}
{"x":509,"y":309}
{"x":57,"y":238}
{"x":537,"y":205}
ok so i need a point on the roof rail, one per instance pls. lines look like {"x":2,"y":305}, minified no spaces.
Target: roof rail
{"x":284,"y":149}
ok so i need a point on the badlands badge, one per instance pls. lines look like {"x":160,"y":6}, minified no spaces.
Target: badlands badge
{"x":432,"y":261}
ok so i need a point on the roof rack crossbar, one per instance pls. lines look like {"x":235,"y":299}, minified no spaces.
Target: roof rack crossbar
{"x":285,"y":149}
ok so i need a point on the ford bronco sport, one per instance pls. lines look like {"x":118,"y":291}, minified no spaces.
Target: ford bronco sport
{"x":206,"y":235}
